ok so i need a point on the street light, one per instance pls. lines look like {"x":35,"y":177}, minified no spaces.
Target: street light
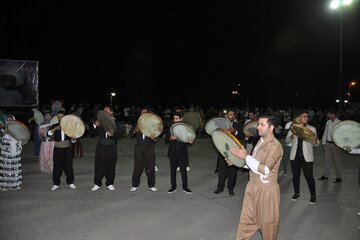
{"x":338,"y":4}
{"x":111,"y":96}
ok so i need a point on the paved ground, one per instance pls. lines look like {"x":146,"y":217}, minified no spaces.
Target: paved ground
{"x":37,"y":213}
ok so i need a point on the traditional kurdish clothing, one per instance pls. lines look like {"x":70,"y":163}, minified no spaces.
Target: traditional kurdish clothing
{"x":260,"y":210}
{"x":46,"y":150}
{"x":10,"y":163}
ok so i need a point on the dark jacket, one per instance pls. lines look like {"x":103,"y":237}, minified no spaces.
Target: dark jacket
{"x":176,"y":148}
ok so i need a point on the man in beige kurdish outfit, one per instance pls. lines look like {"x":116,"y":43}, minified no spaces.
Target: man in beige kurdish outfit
{"x":261,"y":204}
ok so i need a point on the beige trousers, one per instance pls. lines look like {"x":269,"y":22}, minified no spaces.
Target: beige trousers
{"x":332,"y":155}
{"x":260,"y":211}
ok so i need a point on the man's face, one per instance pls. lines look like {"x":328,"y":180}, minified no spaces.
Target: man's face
{"x":108,"y":111}
{"x":47,"y":116}
{"x":60,"y":116}
{"x":251,"y":116}
{"x":231,"y":115}
{"x":263,"y":128}
{"x":304,"y":118}
{"x":177,"y":119}
{"x":331,"y":116}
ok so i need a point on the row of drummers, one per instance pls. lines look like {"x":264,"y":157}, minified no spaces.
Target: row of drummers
{"x":345,"y":135}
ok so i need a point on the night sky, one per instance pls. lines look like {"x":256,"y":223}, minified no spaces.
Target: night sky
{"x":185,"y":52}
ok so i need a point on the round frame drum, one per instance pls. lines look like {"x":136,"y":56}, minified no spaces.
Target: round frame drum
{"x":224,"y":141}
{"x":39,"y":117}
{"x":54,"y":120}
{"x":346,"y":133}
{"x":106,"y":121}
{"x":303,"y":132}
{"x":72,"y":126}
{"x":251,"y":128}
{"x":193,"y":119}
{"x":18,"y":130}
{"x":216,"y":122}
{"x":183,"y":132}
{"x":150,"y":124}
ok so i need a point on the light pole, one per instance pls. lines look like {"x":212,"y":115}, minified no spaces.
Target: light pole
{"x":111,"y":96}
{"x":350,"y":86}
{"x":338,"y":4}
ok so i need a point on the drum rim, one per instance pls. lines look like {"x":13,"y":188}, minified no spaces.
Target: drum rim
{"x":75,"y":117}
{"x":38,"y":114}
{"x":246,"y":128}
{"x":153,"y":115}
{"x":23,"y":126}
{"x":235,"y":141}
{"x":107,"y":115}
{"x":313,"y":135}
{"x":343,"y":123}
{"x":184,"y":125}
{"x":212,"y":120}
{"x":197,"y":115}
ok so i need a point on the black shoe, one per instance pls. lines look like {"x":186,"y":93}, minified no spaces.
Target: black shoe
{"x":322,"y":178}
{"x":295,"y":197}
{"x":338,"y":180}
{"x":186,"y":190}
{"x":219,"y":190}
{"x":231,"y":192}
{"x":172,"y":190}
{"x":313,"y":200}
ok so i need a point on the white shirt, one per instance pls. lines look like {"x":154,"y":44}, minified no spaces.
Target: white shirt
{"x":287,"y":126}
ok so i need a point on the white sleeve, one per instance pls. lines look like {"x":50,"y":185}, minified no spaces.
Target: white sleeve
{"x":253,"y":164}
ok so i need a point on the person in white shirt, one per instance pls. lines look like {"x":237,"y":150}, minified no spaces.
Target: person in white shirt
{"x":287,"y":148}
{"x":332,"y":152}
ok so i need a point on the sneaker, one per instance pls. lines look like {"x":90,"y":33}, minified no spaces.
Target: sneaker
{"x":186,"y":190}
{"x":313,"y":200}
{"x":72,"y":186}
{"x":295,"y":197}
{"x":338,"y":180}
{"x":178,"y":169}
{"x":54,"y":187}
{"x":156,"y":168}
{"x":172,"y":190}
{"x":322,"y":178}
{"x":187,"y":169}
{"x":95,"y":188}
{"x":111,"y":187}
{"x":154,"y":189}
{"x":133,"y":189}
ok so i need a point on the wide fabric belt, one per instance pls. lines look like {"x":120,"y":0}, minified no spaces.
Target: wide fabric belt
{"x":62,"y":144}
{"x":107,"y":141}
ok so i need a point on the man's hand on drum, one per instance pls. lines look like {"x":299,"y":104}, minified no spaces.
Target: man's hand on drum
{"x":172,"y":137}
{"x":97,"y":123}
{"x":229,"y":163}
{"x":347,"y":148}
{"x":313,"y":142}
{"x":239,"y":152}
{"x":231,"y":129}
{"x":190,"y":141}
{"x":109,"y":134}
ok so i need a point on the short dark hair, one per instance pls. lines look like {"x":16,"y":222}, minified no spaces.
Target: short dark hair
{"x":332,"y":111}
{"x":271,"y":119}
{"x":179,"y":114}
{"x":61,"y":112}
{"x":302,"y":111}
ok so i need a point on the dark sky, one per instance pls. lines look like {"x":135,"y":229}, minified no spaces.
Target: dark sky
{"x":185,"y":52}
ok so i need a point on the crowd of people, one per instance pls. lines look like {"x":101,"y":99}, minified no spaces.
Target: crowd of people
{"x":266,"y":153}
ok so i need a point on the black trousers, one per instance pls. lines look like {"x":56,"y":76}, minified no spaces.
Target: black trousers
{"x":226,"y":172}
{"x":176,"y":161}
{"x":296,"y":165}
{"x":144,"y":158}
{"x":105,"y":163}
{"x":63,"y":162}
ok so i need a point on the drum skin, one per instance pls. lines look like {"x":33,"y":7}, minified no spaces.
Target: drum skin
{"x":251,"y":128}
{"x":346,"y":133}
{"x":54,"y":120}
{"x":193,"y":119}
{"x":216,"y":122}
{"x":72,"y":126}
{"x":224,"y":141}
{"x":150,"y":124}
{"x":303,"y":132}
{"x":18,"y":130}
{"x":106,"y":121}
{"x":183,"y":132}
{"x":39,"y":117}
